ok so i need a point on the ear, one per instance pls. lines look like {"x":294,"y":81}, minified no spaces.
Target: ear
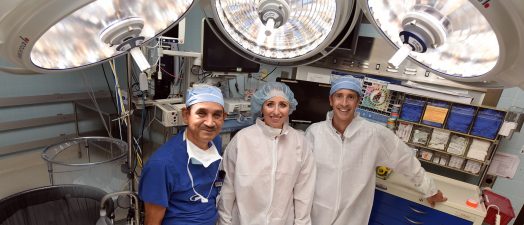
{"x":185,"y":115}
{"x":331,"y":101}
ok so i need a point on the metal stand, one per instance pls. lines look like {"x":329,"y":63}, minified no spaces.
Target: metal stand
{"x":129,"y":129}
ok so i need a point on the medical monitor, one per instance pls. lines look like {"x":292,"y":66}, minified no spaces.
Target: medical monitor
{"x":313,"y":100}
{"x":217,"y":57}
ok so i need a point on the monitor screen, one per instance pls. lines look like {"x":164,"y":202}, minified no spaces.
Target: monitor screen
{"x":217,"y":57}
{"x":313,"y":100}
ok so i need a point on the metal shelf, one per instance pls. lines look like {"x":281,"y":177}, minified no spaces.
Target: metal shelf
{"x":453,"y":132}
{"x":444,"y":152}
{"x":449,"y":167}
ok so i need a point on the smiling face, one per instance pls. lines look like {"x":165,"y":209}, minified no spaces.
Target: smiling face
{"x":275,"y":111}
{"x":344,"y":103}
{"x":204,"y":121}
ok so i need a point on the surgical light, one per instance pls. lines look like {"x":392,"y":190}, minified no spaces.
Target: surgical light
{"x":280,"y":32}
{"x":47,"y":35}
{"x":481,"y":42}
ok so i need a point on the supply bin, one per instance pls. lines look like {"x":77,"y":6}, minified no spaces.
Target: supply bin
{"x":92,"y":161}
{"x":504,"y":207}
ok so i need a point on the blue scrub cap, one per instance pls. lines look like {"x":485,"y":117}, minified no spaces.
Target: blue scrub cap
{"x":204,"y":93}
{"x":269,"y":90}
{"x":346,"y":82}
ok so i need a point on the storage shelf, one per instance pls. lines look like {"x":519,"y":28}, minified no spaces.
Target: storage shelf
{"x":444,"y":152}
{"x":421,"y":135}
{"x":451,"y":131}
{"x":449,"y":167}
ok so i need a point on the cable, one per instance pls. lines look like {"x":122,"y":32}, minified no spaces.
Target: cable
{"x":109,"y":87}
{"x":153,"y":118}
{"x":206,"y":75}
{"x":118,"y":96}
{"x":264,"y":78}
{"x":199,"y":72}
{"x":143,"y":118}
{"x":165,"y":71}
{"x":202,"y":198}
{"x":497,"y":217}
{"x":93,"y":98}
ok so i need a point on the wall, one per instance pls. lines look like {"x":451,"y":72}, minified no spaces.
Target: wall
{"x":25,"y":170}
{"x":193,"y":29}
{"x":512,"y":188}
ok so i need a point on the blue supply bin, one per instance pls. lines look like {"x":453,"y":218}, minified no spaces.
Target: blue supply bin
{"x":412,"y":109}
{"x":460,"y":118}
{"x":487,"y":123}
{"x":439,"y":113}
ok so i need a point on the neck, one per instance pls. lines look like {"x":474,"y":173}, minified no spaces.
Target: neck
{"x":200,"y":144}
{"x":340,"y":125}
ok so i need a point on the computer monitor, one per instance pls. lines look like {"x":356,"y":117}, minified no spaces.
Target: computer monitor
{"x":217,"y":57}
{"x":313,"y":100}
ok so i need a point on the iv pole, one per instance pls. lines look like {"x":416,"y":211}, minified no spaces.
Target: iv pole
{"x":131,"y":175}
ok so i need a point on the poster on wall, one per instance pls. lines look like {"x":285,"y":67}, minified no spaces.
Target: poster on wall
{"x":376,"y":95}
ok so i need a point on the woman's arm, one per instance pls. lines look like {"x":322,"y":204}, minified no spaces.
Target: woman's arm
{"x":304,"y":189}
{"x":227,"y":193}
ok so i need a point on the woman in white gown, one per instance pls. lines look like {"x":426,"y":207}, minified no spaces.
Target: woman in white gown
{"x":270,"y":170}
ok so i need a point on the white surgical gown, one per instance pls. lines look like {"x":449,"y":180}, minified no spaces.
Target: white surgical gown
{"x":346,"y":169}
{"x":270,"y":178}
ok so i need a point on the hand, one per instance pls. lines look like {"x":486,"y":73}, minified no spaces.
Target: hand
{"x":438,"y":197}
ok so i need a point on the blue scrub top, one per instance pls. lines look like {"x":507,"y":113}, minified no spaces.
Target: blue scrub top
{"x":165,"y":182}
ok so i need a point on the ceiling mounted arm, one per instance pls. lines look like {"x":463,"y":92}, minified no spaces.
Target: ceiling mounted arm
{"x":57,"y":35}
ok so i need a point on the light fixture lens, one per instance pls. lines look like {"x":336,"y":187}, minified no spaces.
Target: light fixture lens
{"x":307,"y":27}
{"x":75,"y":40}
{"x":466,"y":44}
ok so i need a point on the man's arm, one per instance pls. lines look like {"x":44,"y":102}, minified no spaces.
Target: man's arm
{"x":438,"y":197}
{"x":397,"y":155}
{"x":154,"y":214}
{"x":154,"y":190}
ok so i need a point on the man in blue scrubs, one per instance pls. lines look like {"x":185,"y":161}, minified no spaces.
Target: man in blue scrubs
{"x":181,"y":180}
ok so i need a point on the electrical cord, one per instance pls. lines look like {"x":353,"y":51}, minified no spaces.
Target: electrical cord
{"x":95,"y":103}
{"x":118,"y":95}
{"x":206,"y":75}
{"x":497,"y":217}
{"x":197,"y":70}
{"x":109,"y":87}
{"x":264,"y":78}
